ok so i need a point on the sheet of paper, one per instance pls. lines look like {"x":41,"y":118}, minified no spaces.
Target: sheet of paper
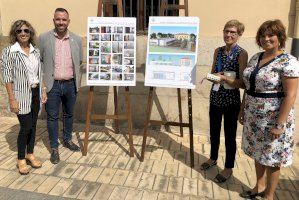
{"x":111,"y":51}
{"x":172,"y":52}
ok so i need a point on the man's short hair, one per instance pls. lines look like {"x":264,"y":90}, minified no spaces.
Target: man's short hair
{"x":61,"y":10}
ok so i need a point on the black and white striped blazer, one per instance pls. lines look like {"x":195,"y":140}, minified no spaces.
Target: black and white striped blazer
{"x":14,"y":71}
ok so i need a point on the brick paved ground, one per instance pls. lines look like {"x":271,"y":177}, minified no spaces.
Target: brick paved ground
{"x":107,"y":172}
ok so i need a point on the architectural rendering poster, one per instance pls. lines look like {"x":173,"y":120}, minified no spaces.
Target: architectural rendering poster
{"x":111,"y":55}
{"x":172,"y":52}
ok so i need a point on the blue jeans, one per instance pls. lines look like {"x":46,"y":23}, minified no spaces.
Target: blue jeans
{"x":62,"y":92}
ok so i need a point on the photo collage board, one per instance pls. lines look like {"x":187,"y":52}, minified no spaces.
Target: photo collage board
{"x":111,"y":51}
{"x":172,"y":51}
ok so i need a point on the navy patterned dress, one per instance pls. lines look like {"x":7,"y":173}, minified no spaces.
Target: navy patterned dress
{"x":226,"y":97}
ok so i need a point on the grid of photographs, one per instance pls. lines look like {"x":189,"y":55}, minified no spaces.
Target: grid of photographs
{"x":111,"y":55}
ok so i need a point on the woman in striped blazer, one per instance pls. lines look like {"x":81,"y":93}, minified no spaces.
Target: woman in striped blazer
{"x":21,"y":69}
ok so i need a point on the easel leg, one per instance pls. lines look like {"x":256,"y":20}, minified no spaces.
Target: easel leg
{"x":147,"y":121}
{"x":129,"y":117}
{"x":116,"y":123}
{"x":180,"y":111}
{"x":88,"y":117}
{"x":191,"y":128}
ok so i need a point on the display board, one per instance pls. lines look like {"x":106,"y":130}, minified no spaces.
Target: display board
{"x":172,"y":52}
{"x":111,"y":51}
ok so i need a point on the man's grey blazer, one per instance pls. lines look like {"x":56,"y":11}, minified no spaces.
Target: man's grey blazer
{"x":47,"y":54}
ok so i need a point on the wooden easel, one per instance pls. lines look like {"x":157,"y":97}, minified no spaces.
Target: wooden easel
{"x":164,"y":8}
{"x":108,"y":11}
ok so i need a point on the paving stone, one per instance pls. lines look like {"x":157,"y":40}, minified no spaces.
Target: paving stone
{"x":286,"y":184}
{"x":133,"y":179}
{"x":120,"y":177}
{"x":74,"y":189}
{"x":119,"y":193}
{"x":175,"y":184}
{"x":234,"y":191}
{"x":10,"y":178}
{"x":205,"y":189}
{"x":104,"y":192}
{"x":181,"y":197}
{"x":146,"y":166}
{"x":295,"y":195}
{"x":133,"y":164}
{"x":89,"y":190}
{"x":34,"y":182}
{"x":3,"y":173}
{"x":111,"y":149}
{"x":48,"y":185}
{"x":159,"y":167}
{"x":161,"y":183}
{"x":106,"y":175}
{"x":64,"y":155}
{"x":86,"y":159}
{"x":134,"y":194}
{"x":148,"y":195}
{"x":81,"y":172}
{"x":98,"y":159}
{"x":47,"y":165}
{"x":147,"y":181}
{"x":286,"y":171}
{"x":168,"y":156}
{"x":283,"y":195}
{"x":190,"y":186}
{"x":220,"y":191}
{"x":9,"y":164}
{"x":57,"y":169}
{"x":21,"y":181}
{"x":184,"y":171}
{"x":156,"y":154}
{"x":68,"y":170}
{"x":61,"y":187}
{"x":74,"y":157}
{"x":109,"y":161}
{"x":171,"y":169}
{"x":121,"y":162}
{"x":165,"y":196}
{"x":93,"y":174}
{"x":295,"y":182}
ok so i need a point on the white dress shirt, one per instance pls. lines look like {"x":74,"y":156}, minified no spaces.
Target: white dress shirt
{"x":30,"y":61}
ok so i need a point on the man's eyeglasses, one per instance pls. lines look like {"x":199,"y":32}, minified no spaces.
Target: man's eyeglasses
{"x":19,"y":31}
{"x":232,"y":33}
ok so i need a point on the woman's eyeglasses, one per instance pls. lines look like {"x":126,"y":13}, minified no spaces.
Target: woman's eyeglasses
{"x":19,"y":31}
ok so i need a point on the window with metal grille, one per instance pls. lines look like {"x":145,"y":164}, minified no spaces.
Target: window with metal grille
{"x":142,"y":9}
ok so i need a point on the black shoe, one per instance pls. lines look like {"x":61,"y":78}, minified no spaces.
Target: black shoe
{"x":205,"y":166}
{"x":54,"y":156}
{"x":221,"y":179}
{"x":71,"y":146}
{"x":249,"y":195}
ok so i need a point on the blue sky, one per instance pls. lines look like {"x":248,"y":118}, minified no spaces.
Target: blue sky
{"x":173,"y":58}
{"x":174,"y":29}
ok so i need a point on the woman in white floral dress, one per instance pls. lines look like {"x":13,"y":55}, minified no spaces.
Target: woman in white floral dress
{"x":271,"y":81}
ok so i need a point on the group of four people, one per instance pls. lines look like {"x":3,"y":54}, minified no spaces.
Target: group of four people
{"x":51,"y":73}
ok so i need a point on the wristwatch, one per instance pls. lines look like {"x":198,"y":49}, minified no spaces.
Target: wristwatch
{"x":280,"y":126}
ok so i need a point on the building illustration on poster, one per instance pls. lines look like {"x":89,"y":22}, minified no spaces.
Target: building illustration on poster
{"x":111,"y":47}
{"x":172,"y":52}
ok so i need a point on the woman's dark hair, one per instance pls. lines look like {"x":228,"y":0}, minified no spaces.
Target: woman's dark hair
{"x":17,"y":25}
{"x":274,"y":27}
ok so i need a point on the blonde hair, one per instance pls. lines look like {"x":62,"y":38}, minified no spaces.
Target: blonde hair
{"x":235,"y":23}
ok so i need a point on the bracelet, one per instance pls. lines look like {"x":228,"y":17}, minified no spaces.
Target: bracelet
{"x":44,"y":88}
